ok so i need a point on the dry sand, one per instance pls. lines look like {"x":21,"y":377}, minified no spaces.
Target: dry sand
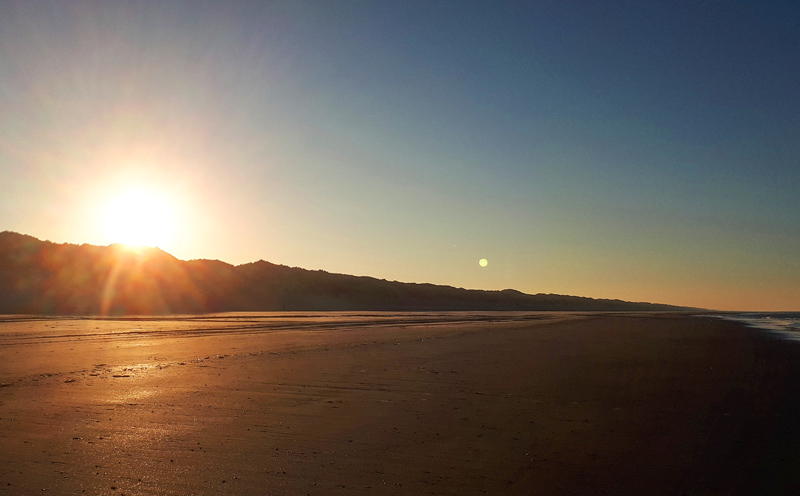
{"x":378,"y":403}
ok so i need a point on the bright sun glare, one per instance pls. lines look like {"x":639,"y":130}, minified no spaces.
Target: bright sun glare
{"x":139,"y":217}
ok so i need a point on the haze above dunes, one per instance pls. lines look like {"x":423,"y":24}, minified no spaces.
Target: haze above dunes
{"x":67,"y":279}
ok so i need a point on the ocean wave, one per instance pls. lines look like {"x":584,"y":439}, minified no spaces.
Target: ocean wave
{"x":786,"y":324}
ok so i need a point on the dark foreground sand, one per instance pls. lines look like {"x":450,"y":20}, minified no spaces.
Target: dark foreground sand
{"x":385,"y":404}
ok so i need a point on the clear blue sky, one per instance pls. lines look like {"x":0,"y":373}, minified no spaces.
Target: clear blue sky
{"x":645,"y":151}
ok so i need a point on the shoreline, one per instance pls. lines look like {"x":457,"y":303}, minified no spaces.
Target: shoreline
{"x":557,"y":404}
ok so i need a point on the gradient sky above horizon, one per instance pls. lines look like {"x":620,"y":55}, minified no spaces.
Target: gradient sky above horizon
{"x":645,"y":151}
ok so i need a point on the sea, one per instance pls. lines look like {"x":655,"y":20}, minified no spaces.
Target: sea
{"x":784,"y":324}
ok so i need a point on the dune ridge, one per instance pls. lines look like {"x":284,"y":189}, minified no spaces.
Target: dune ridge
{"x":41,"y":277}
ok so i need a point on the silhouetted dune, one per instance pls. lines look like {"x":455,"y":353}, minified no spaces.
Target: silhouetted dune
{"x":47,"y":278}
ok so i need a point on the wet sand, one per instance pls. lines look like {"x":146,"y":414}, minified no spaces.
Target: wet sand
{"x":379,"y":403}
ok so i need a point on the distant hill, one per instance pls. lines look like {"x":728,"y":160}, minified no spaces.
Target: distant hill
{"x":41,"y":277}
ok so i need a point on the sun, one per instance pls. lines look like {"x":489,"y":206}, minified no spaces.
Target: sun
{"x":140,"y":217}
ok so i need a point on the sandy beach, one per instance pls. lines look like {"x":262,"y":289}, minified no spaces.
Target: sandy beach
{"x":380,"y":403}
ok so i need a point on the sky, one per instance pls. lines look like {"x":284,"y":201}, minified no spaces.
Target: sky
{"x":646,"y":151}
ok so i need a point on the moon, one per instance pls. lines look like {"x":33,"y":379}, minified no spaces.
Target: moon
{"x":483,"y":262}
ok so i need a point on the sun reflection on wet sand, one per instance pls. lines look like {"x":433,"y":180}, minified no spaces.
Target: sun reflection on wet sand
{"x":144,"y":405}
